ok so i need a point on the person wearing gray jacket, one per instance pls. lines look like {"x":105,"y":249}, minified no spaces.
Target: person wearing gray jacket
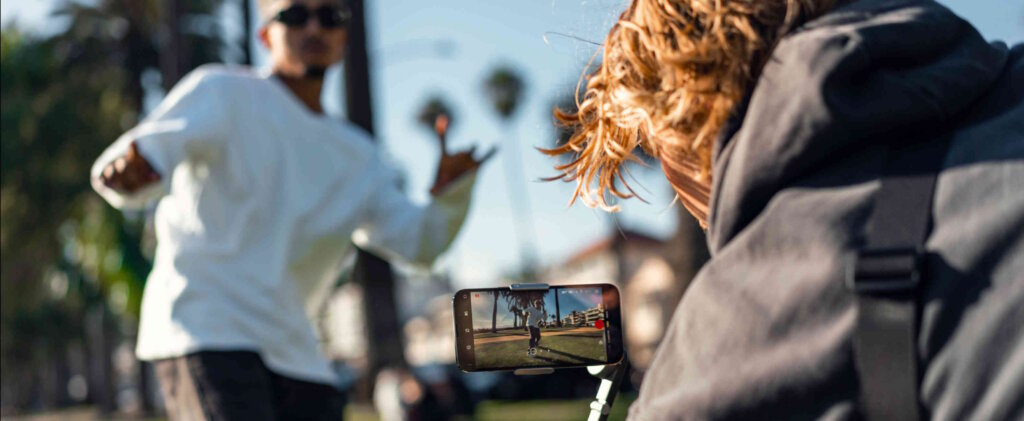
{"x":772,"y":120}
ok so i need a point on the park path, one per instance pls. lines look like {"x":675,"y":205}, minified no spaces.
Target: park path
{"x":523,"y":337}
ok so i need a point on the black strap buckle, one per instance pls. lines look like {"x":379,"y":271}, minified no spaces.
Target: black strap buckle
{"x":884,"y":270}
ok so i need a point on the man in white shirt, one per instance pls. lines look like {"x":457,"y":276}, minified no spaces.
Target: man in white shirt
{"x":259,"y":196}
{"x":534,"y":316}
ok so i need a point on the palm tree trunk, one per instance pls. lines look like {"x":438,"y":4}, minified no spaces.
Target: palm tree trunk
{"x":373,"y":274}
{"x":687,"y":251}
{"x":494,"y":314}
{"x":558,"y":311}
{"x":520,"y":202}
{"x":172,"y":57}
{"x":247,"y":32}
{"x":101,"y":349}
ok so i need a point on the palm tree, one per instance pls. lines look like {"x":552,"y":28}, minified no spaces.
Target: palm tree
{"x":122,"y":39}
{"x":504,"y":88}
{"x":435,"y":107}
{"x":517,"y":301}
{"x":372,"y":273}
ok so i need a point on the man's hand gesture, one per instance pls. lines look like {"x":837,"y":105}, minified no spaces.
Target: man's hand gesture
{"x":129,"y":173}
{"x":452,"y":166}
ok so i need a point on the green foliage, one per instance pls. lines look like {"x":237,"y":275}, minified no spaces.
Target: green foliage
{"x":63,"y":252}
{"x":504,"y":87}
{"x":53,"y":121}
{"x":517,"y":301}
{"x":433,"y":108}
{"x":64,"y":100}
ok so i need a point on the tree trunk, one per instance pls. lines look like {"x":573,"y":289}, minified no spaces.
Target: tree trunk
{"x":618,"y":251}
{"x":687,"y":251}
{"x":173,"y":53}
{"x":101,"y":349}
{"x":558,"y":311}
{"x":373,"y":274}
{"x":247,"y":32}
{"x":145,"y":379}
{"x":519,"y":197}
{"x":384,"y":344}
{"x":494,"y":314}
{"x":358,"y":101}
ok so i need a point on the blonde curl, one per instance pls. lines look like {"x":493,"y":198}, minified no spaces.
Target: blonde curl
{"x":672,"y":73}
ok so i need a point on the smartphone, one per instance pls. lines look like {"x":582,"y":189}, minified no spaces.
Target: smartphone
{"x":557,"y":327}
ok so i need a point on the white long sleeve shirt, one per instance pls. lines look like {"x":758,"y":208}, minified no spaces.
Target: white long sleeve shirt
{"x":258,"y":203}
{"x":534,"y":316}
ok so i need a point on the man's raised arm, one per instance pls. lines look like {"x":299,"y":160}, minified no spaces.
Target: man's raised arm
{"x":135,"y":169}
{"x":418,"y":234}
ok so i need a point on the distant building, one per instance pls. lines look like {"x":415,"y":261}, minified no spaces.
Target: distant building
{"x":584,"y":318}
{"x":649,"y":292}
{"x":425,"y":314}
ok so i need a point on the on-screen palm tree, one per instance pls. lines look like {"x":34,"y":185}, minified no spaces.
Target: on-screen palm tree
{"x":494,"y":314}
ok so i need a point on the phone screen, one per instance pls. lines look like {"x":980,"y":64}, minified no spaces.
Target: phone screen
{"x":501,"y":328}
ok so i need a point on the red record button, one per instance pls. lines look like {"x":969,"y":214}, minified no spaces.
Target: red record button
{"x":599,"y":324}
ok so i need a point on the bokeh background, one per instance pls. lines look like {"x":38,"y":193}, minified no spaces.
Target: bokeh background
{"x":76,"y":74}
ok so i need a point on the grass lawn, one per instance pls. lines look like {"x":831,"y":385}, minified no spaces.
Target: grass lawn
{"x":576,"y":348}
{"x":569,"y":410}
{"x":535,"y":410}
{"x":502,"y":333}
{"x":80,"y":413}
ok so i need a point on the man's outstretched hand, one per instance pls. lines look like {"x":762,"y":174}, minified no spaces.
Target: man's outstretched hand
{"x":129,"y":173}
{"x":452,"y":166}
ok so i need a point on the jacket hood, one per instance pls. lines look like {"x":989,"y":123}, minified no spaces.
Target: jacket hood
{"x":870,"y":72}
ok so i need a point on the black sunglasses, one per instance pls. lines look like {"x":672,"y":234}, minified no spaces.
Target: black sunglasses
{"x":329,"y":17}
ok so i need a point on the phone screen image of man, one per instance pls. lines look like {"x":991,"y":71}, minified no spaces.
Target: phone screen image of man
{"x":560,"y":326}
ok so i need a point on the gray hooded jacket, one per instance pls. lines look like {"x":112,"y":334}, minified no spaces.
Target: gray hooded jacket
{"x":764,"y":331}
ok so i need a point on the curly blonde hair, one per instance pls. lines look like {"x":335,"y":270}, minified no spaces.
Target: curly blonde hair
{"x":672,"y":73}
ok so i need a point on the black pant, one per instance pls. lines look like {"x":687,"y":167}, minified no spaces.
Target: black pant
{"x":236,"y":385}
{"x":534,"y":336}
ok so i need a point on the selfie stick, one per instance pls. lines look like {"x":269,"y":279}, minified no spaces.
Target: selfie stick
{"x":610,"y":375}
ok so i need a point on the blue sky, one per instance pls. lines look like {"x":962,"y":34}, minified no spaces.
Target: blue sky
{"x":577,"y":299}
{"x":408,"y":68}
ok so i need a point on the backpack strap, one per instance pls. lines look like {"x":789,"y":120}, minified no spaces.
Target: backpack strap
{"x":886,"y":275}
